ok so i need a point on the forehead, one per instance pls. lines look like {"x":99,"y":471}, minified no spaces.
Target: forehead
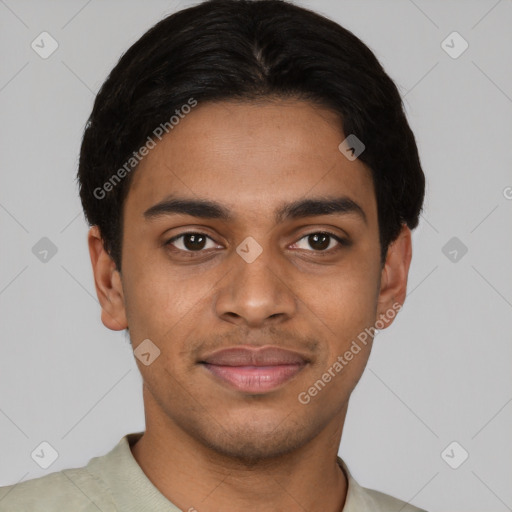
{"x":251,"y":156}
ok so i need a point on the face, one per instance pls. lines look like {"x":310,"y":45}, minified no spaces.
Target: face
{"x":251,"y":259}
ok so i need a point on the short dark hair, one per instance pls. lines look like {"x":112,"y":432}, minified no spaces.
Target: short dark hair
{"x":247,"y":50}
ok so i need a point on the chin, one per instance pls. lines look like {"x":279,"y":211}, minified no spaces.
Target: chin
{"x":251,"y":448}
{"x":258,"y":441}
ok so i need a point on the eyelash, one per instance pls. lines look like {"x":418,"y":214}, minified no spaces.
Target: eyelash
{"x":341,"y":241}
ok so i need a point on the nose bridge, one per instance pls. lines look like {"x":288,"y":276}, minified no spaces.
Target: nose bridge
{"x":255,"y":266}
{"x":255,"y":288}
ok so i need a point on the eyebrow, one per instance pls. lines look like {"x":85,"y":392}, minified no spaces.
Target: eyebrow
{"x":302,"y":208}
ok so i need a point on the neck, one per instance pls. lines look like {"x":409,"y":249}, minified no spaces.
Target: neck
{"x":196,"y":478}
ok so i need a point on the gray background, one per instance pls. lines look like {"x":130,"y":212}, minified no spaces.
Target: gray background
{"x":439,"y":374}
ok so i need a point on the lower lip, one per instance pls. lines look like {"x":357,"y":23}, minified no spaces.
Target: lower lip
{"x":255,"y":379}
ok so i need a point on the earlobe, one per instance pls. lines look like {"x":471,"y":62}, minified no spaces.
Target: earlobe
{"x":107,"y":282}
{"x":394,"y":278}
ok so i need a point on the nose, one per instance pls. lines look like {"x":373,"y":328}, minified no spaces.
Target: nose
{"x":256,"y":293}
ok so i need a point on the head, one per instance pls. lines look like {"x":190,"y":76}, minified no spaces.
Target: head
{"x":225,"y":213}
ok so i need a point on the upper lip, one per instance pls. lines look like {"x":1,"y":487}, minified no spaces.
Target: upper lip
{"x":254,"y":356}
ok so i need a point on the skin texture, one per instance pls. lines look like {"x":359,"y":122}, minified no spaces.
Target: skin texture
{"x":207,"y":445}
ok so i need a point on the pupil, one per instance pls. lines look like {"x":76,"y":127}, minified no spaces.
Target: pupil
{"x":194,"y":242}
{"x":314,"y":240}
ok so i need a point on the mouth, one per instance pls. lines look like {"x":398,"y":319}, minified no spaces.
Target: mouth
{"x":254,"y":370}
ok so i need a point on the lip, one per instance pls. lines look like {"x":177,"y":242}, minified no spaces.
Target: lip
{"x":254,"y":370}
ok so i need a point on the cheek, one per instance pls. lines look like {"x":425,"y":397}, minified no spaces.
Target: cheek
{"x":168,"y":306}
{"x":347,"y":313}
{"x":154,"y":302}
{"x":346,"y":304}
{"x":348,"y":296}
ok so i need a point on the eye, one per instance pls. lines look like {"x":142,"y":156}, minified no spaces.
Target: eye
{"x":322,"y":241}
{"x":191,"y":242}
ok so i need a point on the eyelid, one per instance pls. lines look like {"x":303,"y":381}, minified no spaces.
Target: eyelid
{"x":342,"y":242}
{"x":176,"y":237}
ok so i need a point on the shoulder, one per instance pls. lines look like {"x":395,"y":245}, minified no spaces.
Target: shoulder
{"x":71,"y":489}
{"x":361,"y":498}
{"x":386,"y":503}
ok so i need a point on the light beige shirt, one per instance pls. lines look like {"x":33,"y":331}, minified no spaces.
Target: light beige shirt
{"x":116,"y":483}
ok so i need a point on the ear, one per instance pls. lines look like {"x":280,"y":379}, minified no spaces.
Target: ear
{"x":393,"y":287}
{"x":108,"y":284}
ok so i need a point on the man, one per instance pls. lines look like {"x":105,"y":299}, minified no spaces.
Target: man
{"x":251,"y":182}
